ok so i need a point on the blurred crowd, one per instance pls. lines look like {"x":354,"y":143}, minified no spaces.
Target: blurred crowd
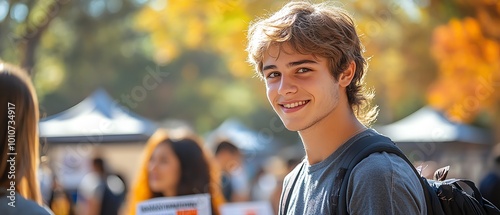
{"x":172,"y":164}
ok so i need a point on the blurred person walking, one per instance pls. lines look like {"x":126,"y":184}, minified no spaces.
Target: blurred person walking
{"x":235,"y":181}
{"x":20,"y":189}
{"x":175,"y":166}
{"x":100,"y":192}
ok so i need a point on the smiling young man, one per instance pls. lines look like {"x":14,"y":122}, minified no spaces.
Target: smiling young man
{"x":310,"y":58}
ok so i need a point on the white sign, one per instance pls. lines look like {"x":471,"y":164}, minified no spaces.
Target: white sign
{"x":247,"y":208}
{"x":198,"y":204}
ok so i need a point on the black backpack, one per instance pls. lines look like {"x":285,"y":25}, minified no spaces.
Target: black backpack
{"x":442,"y":197}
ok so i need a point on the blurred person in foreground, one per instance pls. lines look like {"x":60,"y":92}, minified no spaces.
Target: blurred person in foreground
{"x":490,"y":185}
{"x":20,"y":189}
{"x":310,"y":58}
{"x":235,"y":182}
{"x":175,"y":165}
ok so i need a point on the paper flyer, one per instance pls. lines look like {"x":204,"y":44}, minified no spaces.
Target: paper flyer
{"x":247,"y":208}
{"x":197,"y":204}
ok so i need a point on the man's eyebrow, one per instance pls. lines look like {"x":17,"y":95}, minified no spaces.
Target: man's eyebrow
{"x":291,"y":64}
{"x":296,"y":63}
{"x":269,"y":67}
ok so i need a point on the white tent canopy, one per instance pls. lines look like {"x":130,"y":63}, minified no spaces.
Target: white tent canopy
{"x":96,"y":119}
{"x":257,"y":147}
{"x":244,"y":138}
{"x":429,"y":125}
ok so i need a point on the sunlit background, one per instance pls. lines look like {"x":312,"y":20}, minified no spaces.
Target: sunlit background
{"x":183,"y":63}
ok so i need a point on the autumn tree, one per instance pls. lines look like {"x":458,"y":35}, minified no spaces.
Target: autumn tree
{"x":467,"y":51}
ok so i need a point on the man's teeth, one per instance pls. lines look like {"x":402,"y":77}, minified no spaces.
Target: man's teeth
{"x":295,"y":104}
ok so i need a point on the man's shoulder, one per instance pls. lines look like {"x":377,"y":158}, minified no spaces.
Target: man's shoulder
{"x":382,"y":164}
{"x":382,"y":169}
{"x":388,"y":183}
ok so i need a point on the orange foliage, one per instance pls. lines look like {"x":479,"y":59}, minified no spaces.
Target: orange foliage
{"x":469,"y":70}
{"x":219,"y":26}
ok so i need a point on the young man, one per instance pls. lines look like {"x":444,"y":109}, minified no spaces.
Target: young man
{"x":310,"y":58}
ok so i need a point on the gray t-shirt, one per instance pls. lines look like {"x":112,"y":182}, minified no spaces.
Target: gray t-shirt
{"x":382,"y":183}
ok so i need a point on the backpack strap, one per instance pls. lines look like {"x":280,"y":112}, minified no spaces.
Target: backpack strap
{"x":358,"y":151}
{"x":288,"y":190}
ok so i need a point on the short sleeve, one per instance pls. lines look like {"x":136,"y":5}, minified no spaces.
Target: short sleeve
{"x":383,"y":183}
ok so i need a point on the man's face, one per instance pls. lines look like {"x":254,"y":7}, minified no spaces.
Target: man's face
{"x":300,"y":87}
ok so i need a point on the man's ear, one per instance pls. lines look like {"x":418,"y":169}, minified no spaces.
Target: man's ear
{"x":347,"y":75}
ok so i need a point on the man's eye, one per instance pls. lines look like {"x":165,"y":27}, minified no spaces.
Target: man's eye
{"x":273,"y":75}
{"x":301,"y":70}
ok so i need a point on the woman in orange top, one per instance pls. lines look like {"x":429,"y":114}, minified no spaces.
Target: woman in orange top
{"x":175,"y":166}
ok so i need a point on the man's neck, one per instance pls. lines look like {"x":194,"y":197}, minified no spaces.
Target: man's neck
{"x":326,"y":136}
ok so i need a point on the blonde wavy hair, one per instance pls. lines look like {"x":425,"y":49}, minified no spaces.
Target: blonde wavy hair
{"x":319,"y":29}
{"x":16,"y":88}
{"x":140,"y":189}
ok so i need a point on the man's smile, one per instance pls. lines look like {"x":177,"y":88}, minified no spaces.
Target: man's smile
{"x":293,"y":104}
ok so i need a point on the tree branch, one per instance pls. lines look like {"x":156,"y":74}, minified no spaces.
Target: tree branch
{"x":33,"y":29}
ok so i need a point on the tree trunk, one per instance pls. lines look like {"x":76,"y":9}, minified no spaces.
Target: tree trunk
{"x":33,"y":33}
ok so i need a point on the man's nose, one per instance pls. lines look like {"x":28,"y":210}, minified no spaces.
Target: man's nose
{"x":287,"y":86}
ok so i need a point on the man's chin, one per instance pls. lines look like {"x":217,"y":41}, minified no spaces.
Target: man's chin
{"x":292,"y":126}
{"x":295,"y":126}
